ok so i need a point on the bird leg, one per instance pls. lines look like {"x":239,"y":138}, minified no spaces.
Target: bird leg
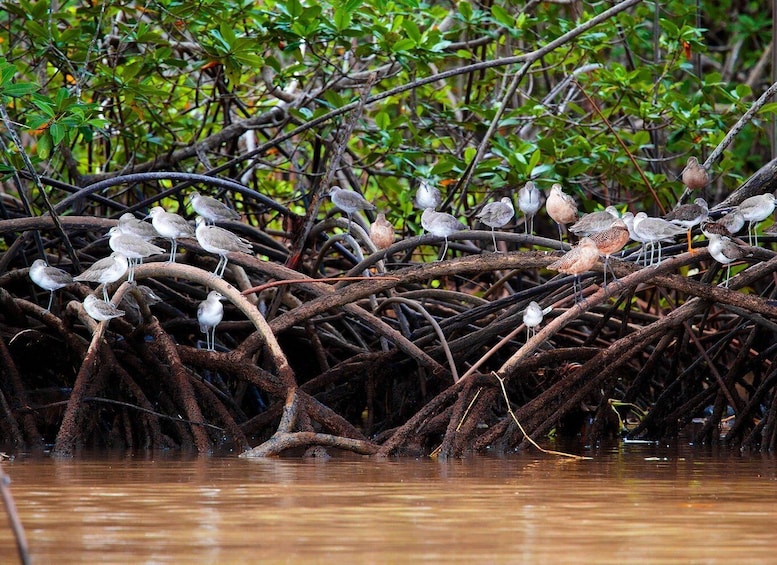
{"x":51,"y":300}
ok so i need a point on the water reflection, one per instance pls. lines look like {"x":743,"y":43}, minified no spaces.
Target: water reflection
{"x":637,"y":504}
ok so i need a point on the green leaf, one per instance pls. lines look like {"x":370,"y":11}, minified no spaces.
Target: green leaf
{"x":19,"y":89}
{"x":403,"y":45}
{"x":502,"y":16}
{"x":43,"y":148}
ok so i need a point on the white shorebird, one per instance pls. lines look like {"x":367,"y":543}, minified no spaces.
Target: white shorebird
{"x":694,"y":175}
{"x":427,"y":196}
{"x":104,"y":271}
{"x":130,"y":225}
{"x":689,"y":215}
{"x":209,"y":315}
{"x":581,"y":258}
{"x":561,"y":207}
{"x":595,"y":222}
{"x":349,"y":201}
{"x":214,"y":239}
{"x":655,"y":231}
{"x":496,"y":215}
{"x":532,"y":317}
{"x":134,"y":248}
{"x":529,"y":202}
{"x":101,"y":310}
{"x":754,"y":210}
{"x":49,"y":278}
{"x":211,"y":209}
{"x":382,"y":232}
{"x":170,"y":226}
{"x":441,"y":225}
{"x":724,"y":251}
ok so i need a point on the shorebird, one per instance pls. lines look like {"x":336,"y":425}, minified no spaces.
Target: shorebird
{"x":561,"y":207}
{"x":171,"y":226}
{"x":496,"y":215}
{"x":529,"y":202}
{"x":754,"y":210}
{"x":382,"y":232}
{"x":694,"y":175}
{"x":211,"y":209}
{"x":101,"y":310}
{"x":349,"y":201}
{"x":655,"y":231}
{"x":209,"y":315}
{"x":134,"y":248}
{"x":105,"y":271}
{"x":689,"y":215}
{"x":441,"y":225}
{"x":532,"y":317}
{"x":628,"y":219}
{"x":49,"y":278}
{"x":214,"y":239}
{"x":724,"y":251}
{"x":611,"y":241}
{"x":130,"y":225}
{"x":733,"y":221}
{"x":576,"y":261}
{"x":427,"y":196}
{"x":595,"y":222}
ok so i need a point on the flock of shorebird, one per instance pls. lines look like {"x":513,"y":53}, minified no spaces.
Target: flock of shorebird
{"x":600,"y":233}
{"x":131,"y":242}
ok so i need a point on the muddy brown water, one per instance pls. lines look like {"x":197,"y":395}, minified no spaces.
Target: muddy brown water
{"x":629,"y":504}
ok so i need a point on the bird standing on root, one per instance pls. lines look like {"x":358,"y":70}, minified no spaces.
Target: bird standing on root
{"x":211,"y":209}
{"x":128,"y":224}
{"x":209,"y":315}
{"x":532,"y":317}
{"x":694,"y":175}
{"x":105,"y":271}
{"x":427,"y":196}
{"x":496,"y":215}
{"x":441,"y":225}
{"x":655,"y":231}
{"x":101,"y":310}
{"x":214,"y":239}
{"x":561,"y":207}
{"x":49,"y":278}
{"x":725,"y":252}
{"x":611,"y":241}
{"x":595,"y":222}
{"x":578,"y":260}
{"x":349,"y":201}
{"x":382,"y":232}
{"x":134,"y":248}
{"x":170,"y":226}
{"x":529,"y":202}
{"x":754,"y":210}
{"x":689,"y":215}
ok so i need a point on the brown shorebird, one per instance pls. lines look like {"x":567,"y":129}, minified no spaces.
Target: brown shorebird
{"x":576,"y":261}
{"x":655,"y":231}
{"x":496,"y":215}
{"x":595,"y":222}
{"x":427,"y":196}
{"x":529,"y":202}
{"x":382,"y":232}
{"x":49,"y":278}
{"x":441,"y":225}
{"x":105,"y":271}
{"x":211,"y":209}
{"x":561,"y":207}
{"x":733,"y":221}
{"x":134,"y":248}
{"x":694,"y":175}
{"x":170,"y":226}
{"x":725,"y":251}
{"x":611,"y":241}
{"x":209,"y":315}
{"x":214,"y":239}
{"x":689,"y":215}
{"x":349,"y":201}
{"x":756,"y":209}
{"x":101,"y":310}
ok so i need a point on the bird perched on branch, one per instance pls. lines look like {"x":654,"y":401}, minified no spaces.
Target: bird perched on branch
{"x":209,"y":315}
{"x":689,"y":215}
{"x":382,"y":232}
{"x":654,"y":231}
{"x":49,"y":278}
{"x":441,"y":225}
{"x":561,"y":207}
{"x":101,"y":310}
{"x":134,"y":248}
{"x":611,"y":241}
{"x":694,"y":175}
{"x":214,"y":239}
{"x":211,"y":209}
{"x":724,"y":251}
{"x":529,"y":202}
{"x":581,"y":258}
{"x":170,"y":226}
{"x":754,"y":210}
{"x":427,"y":196}
{"x":349,"y":201}
{"x":496,"y":215}
{"x":595,"y":222}
{"x":104,"y":271}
